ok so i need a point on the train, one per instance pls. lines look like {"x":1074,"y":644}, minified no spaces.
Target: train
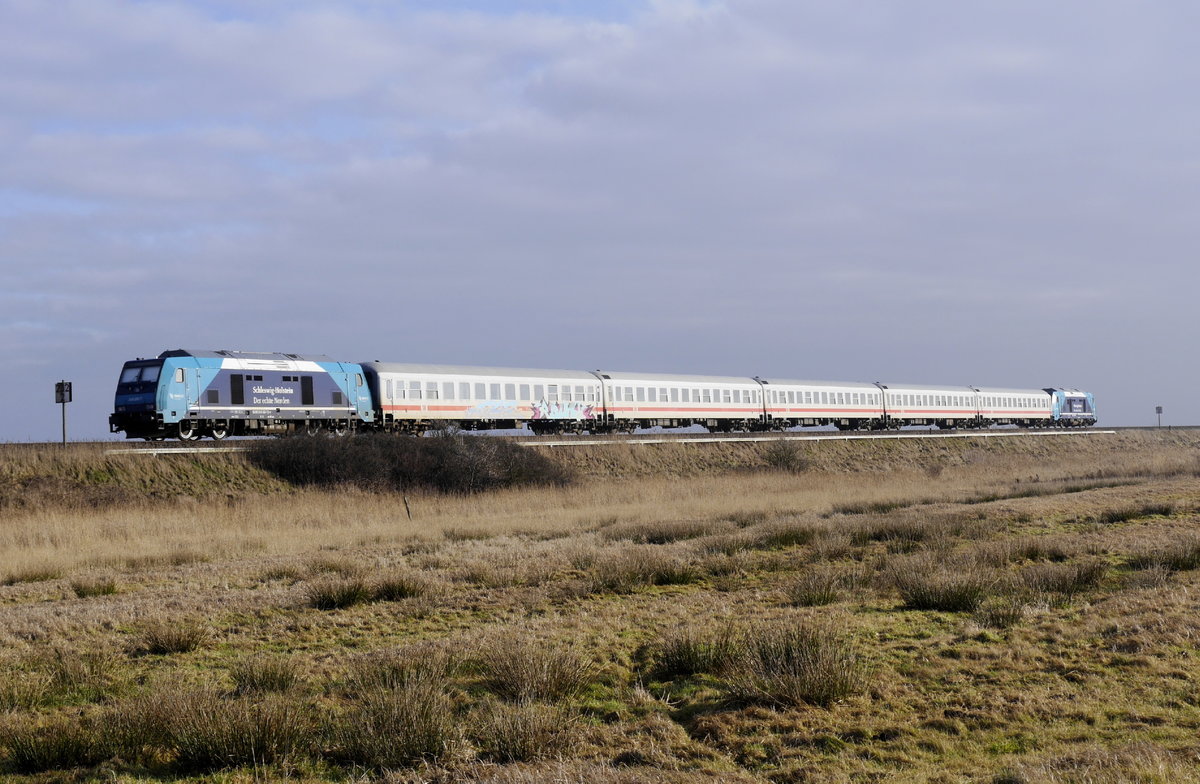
{"x":189,"y":395}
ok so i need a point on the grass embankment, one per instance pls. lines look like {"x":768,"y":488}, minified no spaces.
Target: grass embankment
{"x":974,"y":612}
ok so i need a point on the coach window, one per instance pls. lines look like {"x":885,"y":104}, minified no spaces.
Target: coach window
{"x":448,"y":390}
{"x":524,"y":392}
{"x":431,"y":390}
{"x":510,"y":391}
{"x":652,"y":394}
{"x":464,"y":390}
{"x":414,"y":390}
{"x":566,"y":393}
{"x":480,"y":391}
{"x":552,"y":393}
{"x":539,"y":391}
{"x":495,"y":391}
{"x":737,"y":396}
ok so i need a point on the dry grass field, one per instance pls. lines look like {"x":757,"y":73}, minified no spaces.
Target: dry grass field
{"x":1002,"y":611}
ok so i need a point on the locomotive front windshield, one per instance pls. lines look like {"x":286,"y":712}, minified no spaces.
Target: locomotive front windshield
{"x":1076,"y":405}
{"x":140,"y":374}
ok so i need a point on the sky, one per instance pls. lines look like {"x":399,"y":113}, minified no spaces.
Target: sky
{"x":997,"y":193}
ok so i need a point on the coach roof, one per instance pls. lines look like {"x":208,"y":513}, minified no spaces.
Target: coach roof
{"x":470,"y":370}
{"x":267,"y":355}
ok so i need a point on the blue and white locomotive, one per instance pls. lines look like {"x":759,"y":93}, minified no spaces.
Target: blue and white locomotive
{"x":190,"y":394}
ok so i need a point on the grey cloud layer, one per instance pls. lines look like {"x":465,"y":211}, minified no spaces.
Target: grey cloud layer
{"x":994,"y":193}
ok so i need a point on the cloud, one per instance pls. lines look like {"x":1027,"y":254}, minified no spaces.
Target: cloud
{"x":927,"y":190}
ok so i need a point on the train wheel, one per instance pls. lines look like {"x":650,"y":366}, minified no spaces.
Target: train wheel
{"x":312,"y":428}
{"x":339,"y":429}
{"x":219,"y":430}
{"x":188,"y":430}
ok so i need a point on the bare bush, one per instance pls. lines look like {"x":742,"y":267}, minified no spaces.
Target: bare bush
{"x":449,"y":461}
{"x":786,"y":456}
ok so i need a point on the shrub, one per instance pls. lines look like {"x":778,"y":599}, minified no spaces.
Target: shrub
{"x":793,"y":664}
{"x":448,"y":462}
{"x":400,"y":726}
{"x":93,"y":586}
{"x":926,"y":585}
{"x":335,"y":593}
{"x":263,"y":674}
{"x":209,"y":732}
{"x":785,"y":456}
{"x":688,"y":651}
{"x":523,"y":732}
{"x":521,"y":668}
{"x":176,"y":635}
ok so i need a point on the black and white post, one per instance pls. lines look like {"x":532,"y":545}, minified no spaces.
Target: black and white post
{"x":62,"y":396}
{"x":1158,"y":410}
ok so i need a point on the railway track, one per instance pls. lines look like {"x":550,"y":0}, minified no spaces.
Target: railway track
{"x":559,"y":441}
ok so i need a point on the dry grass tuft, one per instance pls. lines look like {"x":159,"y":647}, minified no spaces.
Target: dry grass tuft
{"x":793,"y":664}
{"x":523,"y":732}
{"x":1067,"y":579}
{"x":170,"y":635}
{"x":401,"y":584}
{"x":336,"y":593}
{"x":263,"y":674}
{"x":822,"y":584}
{"x":926,"y":583}
{"x":664,"y":531}
{"x":1177,"y":555}
{"x":99,"y":585}
{"x":406,"y":724}
{"x":637,"y":567}
{"x":521,"y":668}
{"x":57,"y":743}
{"x":36,"y":573}
{"x":209,"y":731}
{"x":691,"y":651}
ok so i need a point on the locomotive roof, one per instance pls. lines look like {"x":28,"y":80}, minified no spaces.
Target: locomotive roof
{"x":269,"y":355}
{"x":472,"y":370}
